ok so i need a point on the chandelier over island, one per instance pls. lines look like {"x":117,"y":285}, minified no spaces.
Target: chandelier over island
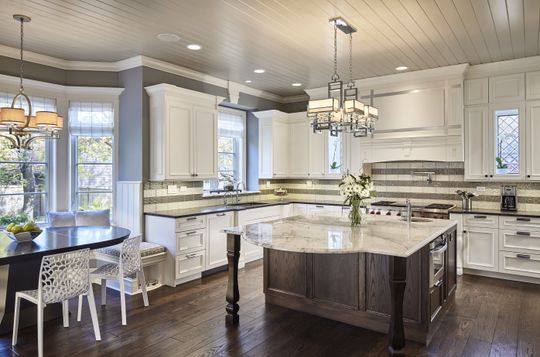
{"x":342,"y":111}
{"x":22,"y":128}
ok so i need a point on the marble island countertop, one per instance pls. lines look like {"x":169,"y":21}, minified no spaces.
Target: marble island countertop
{"x":333,"y":234}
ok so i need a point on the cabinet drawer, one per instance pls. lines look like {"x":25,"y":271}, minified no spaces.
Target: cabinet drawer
{"x":519,"y":223}
{"x":480,"y":220}
{"x":190,"y":241}
{"x":190,"y":223}
{"x":522,"y":240}
{"x":519,"y":264}
{"x":189,"y":264}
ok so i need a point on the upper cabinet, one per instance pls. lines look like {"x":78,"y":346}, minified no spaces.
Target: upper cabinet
{"x":273,"y":144}
{"x":532,"y":142}
{"x":507,"y":88}
{"x":183,"y":134}
{"x":476,"y":91}
{"x":533,"y":85}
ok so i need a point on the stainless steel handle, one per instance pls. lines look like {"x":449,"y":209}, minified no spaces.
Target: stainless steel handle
{"x":522,"y":219}
{"x":191,"y":233}
{"x":220,"y":214}
{"x":523,"y":233}
{"x":319,"y":206}
{"x":191,"y":218}
{"x":523,"y":256}
{"x":438,"y":283}
{"x":480,"y":217}
{"x":439,"y":249}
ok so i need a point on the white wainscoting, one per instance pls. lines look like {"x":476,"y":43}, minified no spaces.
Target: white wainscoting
{"x":129,"y":206}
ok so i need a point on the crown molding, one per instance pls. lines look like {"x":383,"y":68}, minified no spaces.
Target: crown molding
{"x":295,"y":98}
{"x":519,"y":65}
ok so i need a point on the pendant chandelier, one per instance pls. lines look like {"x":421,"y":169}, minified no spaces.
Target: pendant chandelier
{"x":342,"y":111}
{"x":22,"y":129}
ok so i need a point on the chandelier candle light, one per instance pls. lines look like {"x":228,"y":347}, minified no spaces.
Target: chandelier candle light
{"x":342,"y":111}
{"x":22,"y":129}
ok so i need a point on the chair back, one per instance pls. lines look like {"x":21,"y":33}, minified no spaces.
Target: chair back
{"x":130,"y":256}
{"x":64,"y":276}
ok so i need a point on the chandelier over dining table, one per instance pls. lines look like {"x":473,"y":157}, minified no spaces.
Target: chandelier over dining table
{"x":20,"y":127}
{"x":342,"y":111}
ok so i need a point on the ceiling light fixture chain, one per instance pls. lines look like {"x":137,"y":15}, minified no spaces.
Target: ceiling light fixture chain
{"x":351,"y":80}
{"x":335,"y":76}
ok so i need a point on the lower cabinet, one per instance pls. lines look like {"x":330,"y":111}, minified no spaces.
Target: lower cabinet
{"x":251,"y":252}
{"x":189,"y":264}
{"x":481,"y":248}
{"x":216,"y":249}
{"x":520,"y":264}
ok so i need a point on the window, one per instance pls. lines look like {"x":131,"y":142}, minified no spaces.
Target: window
{"x":24,"y":175}
{"x":91,"y":128}
{"x":334,"y":154}
{"x":231,"y":148}
{"x":507,"y":142}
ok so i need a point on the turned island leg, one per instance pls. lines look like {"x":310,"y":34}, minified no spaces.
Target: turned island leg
{"x":396,"y":334}
{"x":233,"y":295}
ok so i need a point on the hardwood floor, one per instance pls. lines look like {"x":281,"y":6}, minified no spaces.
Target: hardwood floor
{"x":490,"y":318}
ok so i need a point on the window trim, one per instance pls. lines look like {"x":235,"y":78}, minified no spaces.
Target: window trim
{"x":243,"y":147}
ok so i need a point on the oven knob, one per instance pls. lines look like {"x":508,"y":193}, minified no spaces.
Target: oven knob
{"x":398,"y":214}
{"x":372,"y":212}
{"x":389,"y":213}
{"x":378,"y":212}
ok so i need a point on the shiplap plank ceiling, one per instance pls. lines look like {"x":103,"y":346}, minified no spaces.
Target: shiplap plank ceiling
{"x":291,"y":39}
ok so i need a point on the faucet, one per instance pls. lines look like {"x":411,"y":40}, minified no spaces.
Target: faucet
{"x":238,"y":190}
{"x":408,"y":211}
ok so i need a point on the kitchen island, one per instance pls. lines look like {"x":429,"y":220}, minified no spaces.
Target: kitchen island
{"x":387,"y":275}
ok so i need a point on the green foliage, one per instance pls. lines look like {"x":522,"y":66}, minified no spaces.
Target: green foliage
{"x":16,"y":219}
{"x":500,"y":163}
{"x":334,"y":165}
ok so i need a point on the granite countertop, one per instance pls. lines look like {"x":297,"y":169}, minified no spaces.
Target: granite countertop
{"x":496,"y":212}
{"x":187,"y":212}
{"x":313,"y":234}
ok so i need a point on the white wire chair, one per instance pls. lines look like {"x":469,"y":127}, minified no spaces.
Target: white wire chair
{"x":61,"y":277}
{"x":129,"y":264}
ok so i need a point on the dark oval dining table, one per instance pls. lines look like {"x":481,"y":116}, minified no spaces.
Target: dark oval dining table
{"x":20,"y":263}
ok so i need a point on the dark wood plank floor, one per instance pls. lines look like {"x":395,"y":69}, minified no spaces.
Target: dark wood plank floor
{"x":490,"y":318}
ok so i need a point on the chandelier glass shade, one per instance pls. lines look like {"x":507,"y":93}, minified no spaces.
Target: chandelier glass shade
{"x":341,"y":111}
{"x":22,"y":128}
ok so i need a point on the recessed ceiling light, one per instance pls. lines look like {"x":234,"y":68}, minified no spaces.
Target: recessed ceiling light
{"x":296,"y":84}
{"x":247,"y":81}
{"x":168,"y":37}
{"x":194,"y":47}
{"x":260,"y":70}
{"x":401,"y":68}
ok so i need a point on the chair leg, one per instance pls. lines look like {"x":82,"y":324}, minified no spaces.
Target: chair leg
{"x":93,"y":313}
{"x":79,"y":308}
{"x":16,"y":319}
{"x":65,"y":312}
{"x":103,"y":292}
{"x":40,"y":310}
{"x":143,"y":286}
{"x":122,"y":299}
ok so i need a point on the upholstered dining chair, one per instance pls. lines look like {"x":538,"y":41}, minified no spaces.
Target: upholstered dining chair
{"x":61,"y":277}
{"x":128,"y":265}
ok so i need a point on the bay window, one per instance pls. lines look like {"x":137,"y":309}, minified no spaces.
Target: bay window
{"x":91,"y":128}
{"x":24,"y":174}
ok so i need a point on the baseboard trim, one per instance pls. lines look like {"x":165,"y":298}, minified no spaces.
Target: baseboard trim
{"x":490,"y":274}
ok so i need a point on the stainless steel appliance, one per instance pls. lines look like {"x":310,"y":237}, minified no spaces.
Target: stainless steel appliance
{"x":508,"y":198}
{"x":437,"y":248}
{"x":394,"y":208}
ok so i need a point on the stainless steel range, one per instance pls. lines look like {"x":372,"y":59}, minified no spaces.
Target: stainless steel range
{"x":394,"y":208}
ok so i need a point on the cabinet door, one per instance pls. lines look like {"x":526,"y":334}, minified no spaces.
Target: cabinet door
{"x":533,"y":85}
{"x":532,"y":142}
{"x":451,"y":263}
{"x":265,"y":148}
{"x":179,"y":141}
{"x":505,"y":88}
{"x":299,"y":148}
{"x":476,"y":91}
{"x":280,"y":143}
{"x":358,"y":151}
{"x":216,"y":248}
{"x":205,"y":143}
{"x":481,"y":248}
{"x":316,"y":154}
{"x":477,"y":138}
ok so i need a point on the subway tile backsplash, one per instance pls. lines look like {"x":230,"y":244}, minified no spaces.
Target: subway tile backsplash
{"x":392,"y":181}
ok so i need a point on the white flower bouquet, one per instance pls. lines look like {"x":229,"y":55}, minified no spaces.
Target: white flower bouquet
{"x":355,"y":189}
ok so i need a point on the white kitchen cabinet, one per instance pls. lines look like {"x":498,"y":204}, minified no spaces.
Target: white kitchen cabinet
{"x":273,"y":144}
{"x":519,"y":264}
{"x":481,"y":248}
{"x":322,"y":209}
{"x":251,"y":252}
{"x":532,"y":140}
{"x":299,"y":132}
{"x":507,"y":88}
{"x":216,"y":248}
{"x":316,"y":154}
{"x":533,"y":85}
{"x":476,"y":91}
{"x":459,"y":243}
{"x":477,"y":143}
{"x":183,"y":133}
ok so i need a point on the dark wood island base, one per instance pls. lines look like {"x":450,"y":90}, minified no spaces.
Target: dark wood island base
{"x":372,"y":291}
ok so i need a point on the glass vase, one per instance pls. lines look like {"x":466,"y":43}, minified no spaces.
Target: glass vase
{"x":354,"y":214}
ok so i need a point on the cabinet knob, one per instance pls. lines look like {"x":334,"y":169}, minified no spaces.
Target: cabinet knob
{"x":490,"y":175}
{"x":485,"y":175}
{"x":528,"y":176}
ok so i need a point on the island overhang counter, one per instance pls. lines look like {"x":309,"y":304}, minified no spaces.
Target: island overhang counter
{"x":377,"y":276}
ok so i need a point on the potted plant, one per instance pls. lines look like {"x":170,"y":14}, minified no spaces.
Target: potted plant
{"x":502,"y":167}
{"x":355,"y":189}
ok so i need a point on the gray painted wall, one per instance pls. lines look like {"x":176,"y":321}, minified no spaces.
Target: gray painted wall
{"x":252,"y":152}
